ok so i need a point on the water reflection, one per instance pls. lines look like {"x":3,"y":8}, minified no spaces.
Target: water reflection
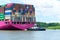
{"x":30,"y":35}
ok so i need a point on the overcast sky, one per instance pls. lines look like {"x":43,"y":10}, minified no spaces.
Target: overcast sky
{"x":46,"y":10}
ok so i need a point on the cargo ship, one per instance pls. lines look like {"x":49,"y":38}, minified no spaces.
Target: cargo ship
{"x":19,"y":16}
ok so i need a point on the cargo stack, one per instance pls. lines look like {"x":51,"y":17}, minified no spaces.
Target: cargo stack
{"x":20,"y":13}
{"x":32,"y":14}
{"x":16,"y":13}
{"x":1,"y":13}
{"x":24,"y":13}
{"x":8,"y":11}
{"x":13,"y":16}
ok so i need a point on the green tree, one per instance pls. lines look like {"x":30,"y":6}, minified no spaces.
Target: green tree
{"x":41,"y":24}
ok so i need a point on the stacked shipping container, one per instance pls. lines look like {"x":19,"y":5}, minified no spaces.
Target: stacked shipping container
{"x":1,"y":13}
{"x":18,"y":13}
{"x":8,"y":11}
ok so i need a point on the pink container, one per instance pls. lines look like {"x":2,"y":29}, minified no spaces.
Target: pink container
{"x":9,"y":5}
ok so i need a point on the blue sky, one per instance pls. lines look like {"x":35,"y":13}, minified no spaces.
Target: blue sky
{"x":46,"y":10}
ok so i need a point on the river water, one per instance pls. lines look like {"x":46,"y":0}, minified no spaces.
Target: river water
{"x":30,"y":35}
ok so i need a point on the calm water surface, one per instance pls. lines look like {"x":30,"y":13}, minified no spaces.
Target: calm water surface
{"x":30,"y":35}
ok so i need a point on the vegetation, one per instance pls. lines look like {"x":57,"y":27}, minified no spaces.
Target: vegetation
{"x":48,"y":25}
{"x":41,"y":24}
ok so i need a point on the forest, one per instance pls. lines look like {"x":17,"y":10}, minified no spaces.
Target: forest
{"x":48,"y":25}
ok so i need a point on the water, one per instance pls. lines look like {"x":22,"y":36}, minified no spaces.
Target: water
{"x":30,"y":35}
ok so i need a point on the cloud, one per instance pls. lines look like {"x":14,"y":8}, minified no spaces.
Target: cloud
{"x":45,"y":10}
{"x":17,"y":1}
{"x":58,"y":0}
{"x":46,"y":5}
{"x":4,"y":2}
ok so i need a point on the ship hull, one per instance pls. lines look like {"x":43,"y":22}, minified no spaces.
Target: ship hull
{"x":4,"y":26}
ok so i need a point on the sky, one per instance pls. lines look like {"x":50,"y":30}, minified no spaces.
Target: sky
{"x":45,"y":10}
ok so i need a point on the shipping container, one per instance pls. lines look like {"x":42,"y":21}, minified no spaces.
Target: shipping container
{"x":13,"y":18}
{"x":17,"y":19}
{"x":17,"y":14}
{"x":1,"y":9}
{"x":8,"y":17}
{"x":8,"y":12}
{"x":2,"y":16}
